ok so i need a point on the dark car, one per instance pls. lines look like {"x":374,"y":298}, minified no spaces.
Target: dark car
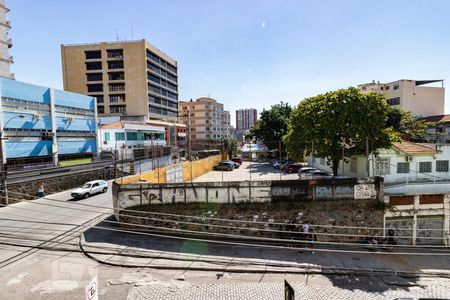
{"x":237,"y":160}
{"x":286,"y":163}
{"x":293,"y":168}
{"x":317,"y":174}
{"x":224,"y":166}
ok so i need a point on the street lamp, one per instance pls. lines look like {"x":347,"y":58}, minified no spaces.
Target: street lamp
{"x":3,"y":167}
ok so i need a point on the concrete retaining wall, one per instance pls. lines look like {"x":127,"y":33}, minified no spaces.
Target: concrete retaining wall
{"x":129,"y":195}
{"x":425,"y":219}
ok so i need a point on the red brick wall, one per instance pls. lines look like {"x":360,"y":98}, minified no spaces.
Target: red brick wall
{"x":401,"y":200}
{"x":431,"y":199}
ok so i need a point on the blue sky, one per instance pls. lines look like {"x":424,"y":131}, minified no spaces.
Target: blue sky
{"x":247,"y":53}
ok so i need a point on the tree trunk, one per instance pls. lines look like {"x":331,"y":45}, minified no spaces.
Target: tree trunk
{"x":335,"y":167}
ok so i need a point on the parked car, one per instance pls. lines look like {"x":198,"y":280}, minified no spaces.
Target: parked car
{"x":237,"y":160}
{"x":90,"y":188}
{"x":293,"y":168}
{"x":277,"y":163}
{"x":224,"y":166}
{"x":286,"y":163}
{"x":236,"y":165}
{"x":304,"y":170}
{"x":317,"y":174}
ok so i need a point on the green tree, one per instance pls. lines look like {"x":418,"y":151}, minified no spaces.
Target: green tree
{"x":230,"y":147}
{"x":340,"y":121}
{"x":408,"y":126}
{"x":272,"y":125}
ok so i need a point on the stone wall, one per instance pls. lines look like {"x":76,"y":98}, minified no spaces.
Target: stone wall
{"x":324,"y":217}
{"x":59,"y":183}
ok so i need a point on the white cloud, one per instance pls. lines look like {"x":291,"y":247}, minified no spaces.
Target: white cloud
{"x":263,"y":24}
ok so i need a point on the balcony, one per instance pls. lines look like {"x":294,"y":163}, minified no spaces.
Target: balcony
{"x":9,"y":42}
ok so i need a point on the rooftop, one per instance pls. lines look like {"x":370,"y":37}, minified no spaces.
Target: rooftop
{"x":414,"y":148}
{"x":436,"y":119}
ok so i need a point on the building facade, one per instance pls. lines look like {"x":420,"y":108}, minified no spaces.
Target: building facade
{"x":415,"y":96}
{"x":5,"y":43}
{"x":44,"y":124}
{"x":122,"y":134}
{"x":207,"y":120}
{"x":246,"y":118}
{"x":403,"y":164}
{"x":132,"y":78}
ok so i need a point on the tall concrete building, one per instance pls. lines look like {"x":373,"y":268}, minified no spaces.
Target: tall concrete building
{"x":416,"y":96}
{"x":208,"y":121}
{"x":5,"y":43}
{"x":246,"y":118}
{"x":131,"y":78}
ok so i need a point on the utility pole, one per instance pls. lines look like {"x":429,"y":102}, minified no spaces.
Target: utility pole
{"x":367,"y":157}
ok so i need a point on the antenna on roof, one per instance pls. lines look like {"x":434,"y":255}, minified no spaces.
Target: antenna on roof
{"x":117,"y":34}
{"x":132,"y":33}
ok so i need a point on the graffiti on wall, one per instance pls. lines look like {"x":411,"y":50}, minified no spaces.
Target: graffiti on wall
{"x":365,"y":191}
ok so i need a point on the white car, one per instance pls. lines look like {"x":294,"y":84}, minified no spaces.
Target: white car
{"x":90,"y":188}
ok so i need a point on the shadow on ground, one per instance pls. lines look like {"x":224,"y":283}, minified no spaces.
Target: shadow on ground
{"x":367,"y":262}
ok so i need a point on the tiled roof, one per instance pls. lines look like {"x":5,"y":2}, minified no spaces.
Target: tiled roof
{"x":437,"y":119}
{"x":413,"y":148}
{"x":121,"y":124}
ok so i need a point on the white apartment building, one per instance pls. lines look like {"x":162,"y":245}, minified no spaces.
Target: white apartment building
{"x":5,"y":43}
{"x":416,"y":96}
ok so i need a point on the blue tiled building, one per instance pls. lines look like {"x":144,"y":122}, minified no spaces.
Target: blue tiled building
{"x":45,"y":124}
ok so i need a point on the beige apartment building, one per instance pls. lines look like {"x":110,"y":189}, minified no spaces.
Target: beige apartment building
{"x":416,"y":96}
{"x":208,"y":121}
{"x":130,"y":78}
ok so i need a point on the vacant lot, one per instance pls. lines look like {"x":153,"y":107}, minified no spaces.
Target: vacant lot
{"x":247,"y":171}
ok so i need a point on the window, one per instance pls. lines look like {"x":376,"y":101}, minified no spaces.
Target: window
{"x":95,"y":88}
{"x":94,"y":65}
{"x":94,"y":76}
{"x":354,"y":165}
{"x":116,"y":98}
{"x":154,"y":78}
{"x":382,"y":167}
{"x":402,"y":167}
{"x":116,"y":76}
{"x":442,"y":166}
{"x":96,"y":54}
{"x":425,"y":167}
{"x":100,"y":109}
{"x":99,"y":98}
{"x":116,"y":87}
{"x":120,"y":136}
{"x":396,"y":87}
{"x":118,"y":109}
{"x":387,"y":88}
{"x":322,"y":161}
{"x":115,"y":64}
{"x":115,"y":53}
{"x":393,"y":101}
{"x":107,"y":136}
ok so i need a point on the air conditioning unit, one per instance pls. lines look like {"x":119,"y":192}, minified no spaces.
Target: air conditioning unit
{"x":409,"y":158}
